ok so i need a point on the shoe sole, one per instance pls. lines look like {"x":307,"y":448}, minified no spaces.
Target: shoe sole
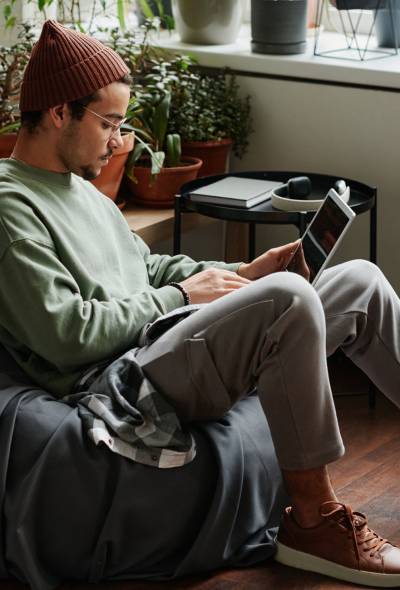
{"x":306,"y":561}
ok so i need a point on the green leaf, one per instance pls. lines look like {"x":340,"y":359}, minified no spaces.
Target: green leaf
{"x":143,"y":133}
{"x":160,"y":120}
{"x":41,"y":4}
{"x":10,"y":22}
{"x":157,"y":161}
{"x":169,"y":22}
{"x":145,"y":8}
{"x":134,"y":156}
{"x":121,"y":13}
{"x":160,"y":7}
{"x":174,"y":151}
{"x":10,"y":128}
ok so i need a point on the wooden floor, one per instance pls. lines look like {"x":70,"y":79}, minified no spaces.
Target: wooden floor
{"x":368,"y":477}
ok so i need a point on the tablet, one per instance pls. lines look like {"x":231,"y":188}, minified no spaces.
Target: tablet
{"x":322,"y":236}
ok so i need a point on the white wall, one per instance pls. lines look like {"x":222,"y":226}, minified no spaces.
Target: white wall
{"x":333,"y":130}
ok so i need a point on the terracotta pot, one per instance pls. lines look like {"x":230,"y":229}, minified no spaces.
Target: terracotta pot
{"x":311,"y":13}
{"x":7,"y":143}
{"x":110,"y":176}
{"x":213,"y":153}
{"x":161,"y":192}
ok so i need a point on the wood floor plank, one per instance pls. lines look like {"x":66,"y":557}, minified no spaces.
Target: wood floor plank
{"x":352,"y":469}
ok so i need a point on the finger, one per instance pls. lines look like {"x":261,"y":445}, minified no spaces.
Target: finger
{"x":285,"y":254}
{"x":291,"y":245}
{"x":288,"y":249}
{"x":295,"y":245}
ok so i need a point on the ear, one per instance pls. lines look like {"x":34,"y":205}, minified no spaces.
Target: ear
{"x":59,"y":114}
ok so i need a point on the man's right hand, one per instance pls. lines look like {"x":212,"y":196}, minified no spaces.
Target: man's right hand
{"x":212,"y":284}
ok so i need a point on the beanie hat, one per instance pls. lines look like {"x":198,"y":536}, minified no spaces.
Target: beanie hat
{"x":66,"y":65}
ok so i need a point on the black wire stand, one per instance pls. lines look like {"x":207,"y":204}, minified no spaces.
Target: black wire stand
{"x":355,"y":49}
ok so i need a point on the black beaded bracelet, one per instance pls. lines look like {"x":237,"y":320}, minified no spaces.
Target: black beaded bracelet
{"x":182,"y":290}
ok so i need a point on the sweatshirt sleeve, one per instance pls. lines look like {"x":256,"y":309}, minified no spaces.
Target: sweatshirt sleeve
{"x":163,"y":269}
{"x":41,"y":307}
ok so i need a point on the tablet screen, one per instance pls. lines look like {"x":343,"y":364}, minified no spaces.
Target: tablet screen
{"x":319,"y":239}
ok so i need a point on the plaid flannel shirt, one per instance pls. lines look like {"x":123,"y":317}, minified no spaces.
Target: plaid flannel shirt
{"x":120,"y":408}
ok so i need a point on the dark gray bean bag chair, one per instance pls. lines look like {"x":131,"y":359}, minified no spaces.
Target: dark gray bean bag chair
{"x":71,"y":510}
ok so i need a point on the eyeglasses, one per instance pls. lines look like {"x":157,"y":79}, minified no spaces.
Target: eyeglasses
{"x":115,"y":127}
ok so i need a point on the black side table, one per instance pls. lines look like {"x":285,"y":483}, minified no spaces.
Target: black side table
{"x":362,"y":198}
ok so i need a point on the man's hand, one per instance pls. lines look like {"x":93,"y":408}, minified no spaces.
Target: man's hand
{"x":212,"y":284}
{"x":273,"y":260}
{"x":299,"y":265}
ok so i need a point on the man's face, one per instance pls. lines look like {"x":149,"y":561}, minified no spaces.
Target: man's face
{"x":85,"y":145}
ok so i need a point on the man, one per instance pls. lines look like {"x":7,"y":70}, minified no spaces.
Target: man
{"x":78,"y":288}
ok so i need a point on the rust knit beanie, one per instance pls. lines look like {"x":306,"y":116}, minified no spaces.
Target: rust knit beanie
{"x":66,"y":65}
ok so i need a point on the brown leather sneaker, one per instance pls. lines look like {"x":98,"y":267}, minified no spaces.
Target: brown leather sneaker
{"x":341,"y":546}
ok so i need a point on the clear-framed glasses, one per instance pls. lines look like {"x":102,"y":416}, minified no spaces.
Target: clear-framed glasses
{"x":115,"y":127}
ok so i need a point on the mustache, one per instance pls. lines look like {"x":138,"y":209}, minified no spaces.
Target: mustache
{"x":107,"y":155}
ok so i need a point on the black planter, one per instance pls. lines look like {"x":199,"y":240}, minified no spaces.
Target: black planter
{"x":388,"y":31}
{"x":356,"y":4}
{"x":279,"y":26}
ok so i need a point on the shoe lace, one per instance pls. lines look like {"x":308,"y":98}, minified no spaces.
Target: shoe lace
{"x":363,"y":537}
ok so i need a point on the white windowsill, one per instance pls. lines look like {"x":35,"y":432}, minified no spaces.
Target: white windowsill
{"x":382,"y":72}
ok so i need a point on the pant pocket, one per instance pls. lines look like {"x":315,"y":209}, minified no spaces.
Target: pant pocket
{"x":213,"y":398}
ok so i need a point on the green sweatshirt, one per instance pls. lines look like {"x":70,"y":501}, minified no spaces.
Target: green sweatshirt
{"x":76,"y":285}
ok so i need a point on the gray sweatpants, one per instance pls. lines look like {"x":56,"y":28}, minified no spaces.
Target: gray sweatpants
{"x":275,"y":334}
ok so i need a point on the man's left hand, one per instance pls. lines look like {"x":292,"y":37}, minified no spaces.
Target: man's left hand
{"x":273,"y":260}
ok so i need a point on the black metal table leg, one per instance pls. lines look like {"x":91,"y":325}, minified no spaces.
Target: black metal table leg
{"x":372,"y":396}
{"x":252,"y":241}
{"x":373,"y":258}
{"x":302,"y":224}
{"x":373,"y":236}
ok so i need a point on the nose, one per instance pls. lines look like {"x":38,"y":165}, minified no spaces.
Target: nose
{"x":116,"y":141}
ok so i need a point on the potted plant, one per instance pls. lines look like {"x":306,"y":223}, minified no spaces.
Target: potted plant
{"x":157,"y":187}
{"x":211,"y":117}
{"x":155,"y":169}
{"x":12,"y":64}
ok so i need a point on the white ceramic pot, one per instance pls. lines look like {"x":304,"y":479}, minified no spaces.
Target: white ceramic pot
{"x":208,"y":22}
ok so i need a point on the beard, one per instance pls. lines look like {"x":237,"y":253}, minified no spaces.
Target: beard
{"x":69,"y":154}
{"x":88,"y":173}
